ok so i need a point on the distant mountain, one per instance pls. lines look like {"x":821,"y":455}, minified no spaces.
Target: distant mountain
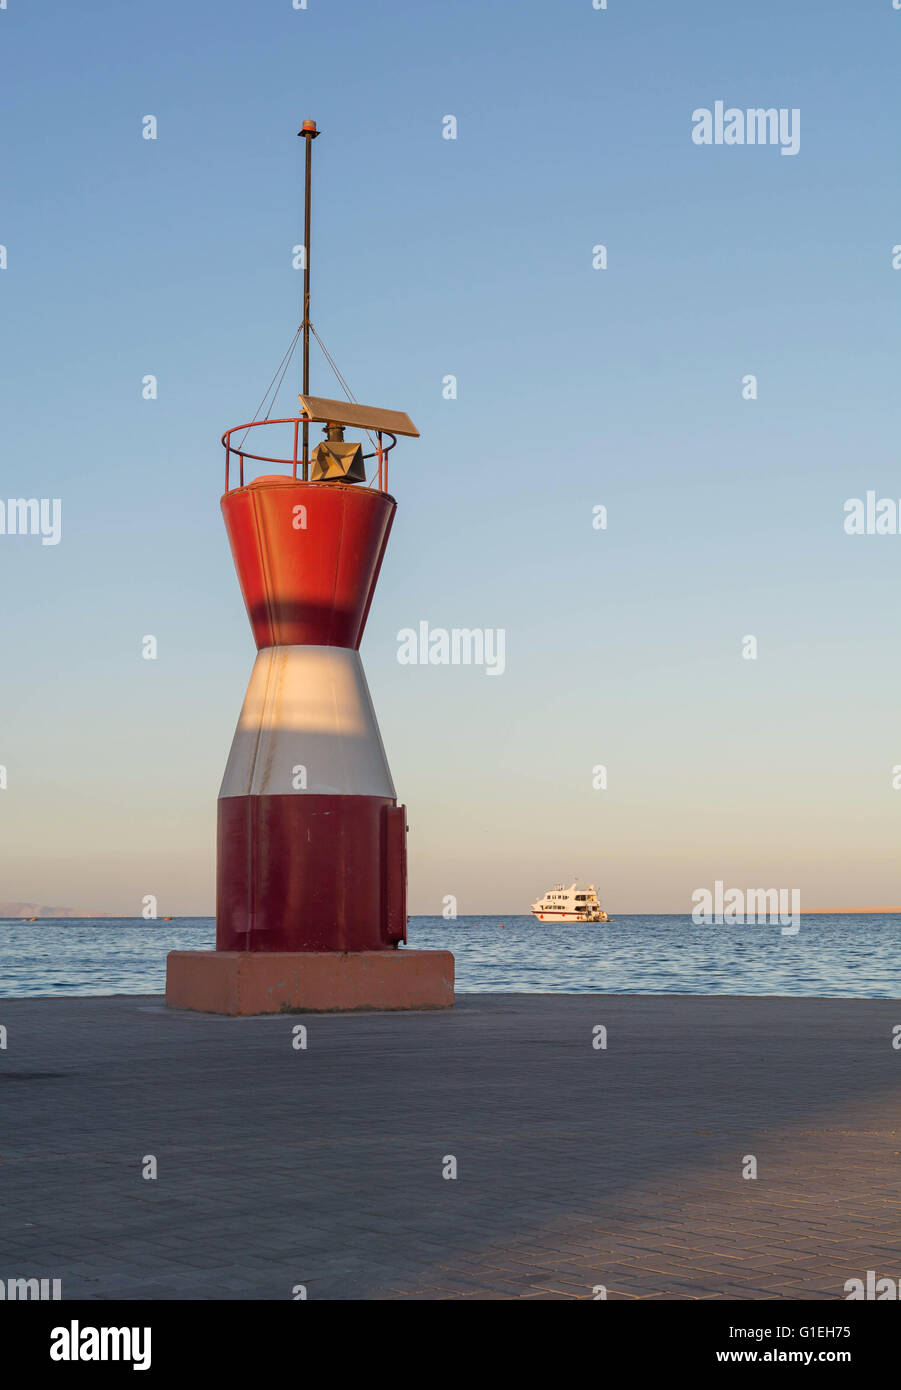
{"x":36,"y":910}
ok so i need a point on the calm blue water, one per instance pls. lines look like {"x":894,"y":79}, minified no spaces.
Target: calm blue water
{"x":840,"y":955}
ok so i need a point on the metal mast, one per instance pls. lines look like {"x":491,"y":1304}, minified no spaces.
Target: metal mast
{"x":309,"y":133}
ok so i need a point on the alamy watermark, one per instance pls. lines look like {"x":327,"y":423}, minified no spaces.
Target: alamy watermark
{"x":873,"y":1288}
{"x":735,"y":906}
{"x":869,"y":516}
{"x":85,"y":1343}
{"x":32,"y":516}
{"x":21,"y":1290}
{"x":730,"y":125}
{"x":457,"y":646}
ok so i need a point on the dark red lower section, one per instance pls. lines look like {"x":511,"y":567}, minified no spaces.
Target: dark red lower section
{"x":310,"y":873}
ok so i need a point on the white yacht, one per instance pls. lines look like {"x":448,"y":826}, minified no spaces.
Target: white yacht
{"x":578,"y":903}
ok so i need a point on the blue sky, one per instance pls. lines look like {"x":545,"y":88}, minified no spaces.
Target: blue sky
{"x":577,"y":388}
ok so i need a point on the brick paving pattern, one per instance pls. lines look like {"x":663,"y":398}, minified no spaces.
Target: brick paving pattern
{"x":576,"y":1167}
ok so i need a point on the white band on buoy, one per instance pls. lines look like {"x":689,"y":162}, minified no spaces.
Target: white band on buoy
{"x":307,"y":708}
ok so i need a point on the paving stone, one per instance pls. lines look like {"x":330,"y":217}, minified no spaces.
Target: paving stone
{"x":576,"y":1168}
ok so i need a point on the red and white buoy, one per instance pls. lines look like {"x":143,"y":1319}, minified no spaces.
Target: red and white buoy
{"x":311,"y":854}
{"x":311,"y":843}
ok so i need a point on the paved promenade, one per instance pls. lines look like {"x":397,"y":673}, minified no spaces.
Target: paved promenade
{"x":576,"y":1166}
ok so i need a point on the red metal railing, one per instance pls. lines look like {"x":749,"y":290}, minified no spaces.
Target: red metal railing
{"x":380,"y":452}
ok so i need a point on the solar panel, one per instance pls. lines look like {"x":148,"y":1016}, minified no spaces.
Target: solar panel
{"x":364,"y":417}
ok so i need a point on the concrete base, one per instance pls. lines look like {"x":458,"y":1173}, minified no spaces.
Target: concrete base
{"x":272,"y":982}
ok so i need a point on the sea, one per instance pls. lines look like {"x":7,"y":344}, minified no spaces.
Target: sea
{"x":841,"y":955}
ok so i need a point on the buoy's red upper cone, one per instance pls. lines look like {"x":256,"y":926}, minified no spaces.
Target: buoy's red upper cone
{"x":308,"y":557}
